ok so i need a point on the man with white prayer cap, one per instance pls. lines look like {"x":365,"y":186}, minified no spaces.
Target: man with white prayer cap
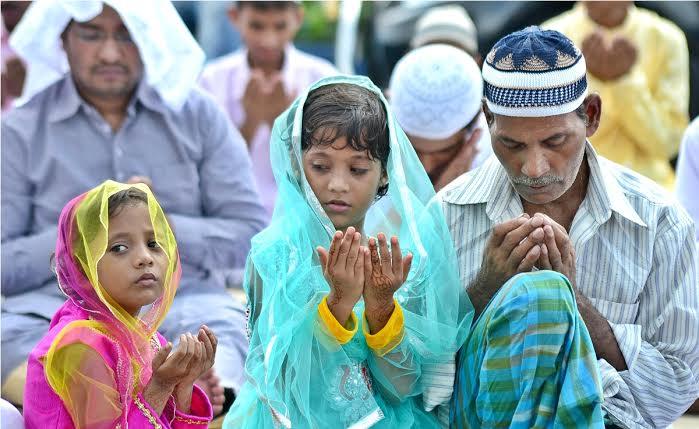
{"x":436,"y":94}
{"x":448,"y":24}
{"x":582,"y":272}
{"x":119,"y":101}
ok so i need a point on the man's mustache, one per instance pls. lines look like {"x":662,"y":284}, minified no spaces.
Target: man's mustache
{"x":537,"y":181}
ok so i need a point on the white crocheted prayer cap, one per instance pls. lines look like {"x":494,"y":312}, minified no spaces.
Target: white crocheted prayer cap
{"x":435,"y":91}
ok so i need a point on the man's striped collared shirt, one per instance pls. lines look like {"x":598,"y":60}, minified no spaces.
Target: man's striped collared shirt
{"x":636,"y":262}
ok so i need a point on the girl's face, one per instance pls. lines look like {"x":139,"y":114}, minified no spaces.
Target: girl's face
{"x":133,"y":268}
{"x":344,"y":180}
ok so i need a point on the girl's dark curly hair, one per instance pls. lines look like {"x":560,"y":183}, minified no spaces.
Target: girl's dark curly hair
{"x":350,"y":111}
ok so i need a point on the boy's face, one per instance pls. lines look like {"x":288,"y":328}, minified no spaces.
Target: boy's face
{"x":344,"y":180}
{"x":133,"y":268}
{"x":266,"y":32}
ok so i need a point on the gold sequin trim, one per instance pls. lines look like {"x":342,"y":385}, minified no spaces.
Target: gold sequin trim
{"x":147,"y":413}
{"x":191,"y":422}
{"x":155,"y":343}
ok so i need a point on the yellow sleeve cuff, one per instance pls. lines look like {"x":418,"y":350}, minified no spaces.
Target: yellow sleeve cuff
{"x":390,"y":336}
{"x":341,"y":334}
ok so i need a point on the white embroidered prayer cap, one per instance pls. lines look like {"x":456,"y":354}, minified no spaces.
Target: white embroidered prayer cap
{"x":435,"y":91}
{"x":449,"y":23}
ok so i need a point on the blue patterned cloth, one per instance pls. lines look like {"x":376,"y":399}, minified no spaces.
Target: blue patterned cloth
{"x":529,"y":362}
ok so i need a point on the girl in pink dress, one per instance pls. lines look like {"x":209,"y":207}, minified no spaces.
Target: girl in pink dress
{"x":103,"y":364}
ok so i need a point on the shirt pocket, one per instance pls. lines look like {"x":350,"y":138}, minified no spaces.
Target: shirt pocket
{"x":616,"y":312}
{"x":176,"y":186}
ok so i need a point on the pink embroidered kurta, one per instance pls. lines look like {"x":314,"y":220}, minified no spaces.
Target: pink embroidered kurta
{"x":43,"y":408}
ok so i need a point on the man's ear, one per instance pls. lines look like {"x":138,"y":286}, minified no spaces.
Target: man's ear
{"x":489,"y":117}
{"x":64,"y":35}
{"x":233,"y":15}
{"x":593,"y":110}
{"x":299,"y":14}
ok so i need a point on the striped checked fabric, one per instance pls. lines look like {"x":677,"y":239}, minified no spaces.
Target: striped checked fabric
{"x":529,"y":362}
{"x":636,"y":255}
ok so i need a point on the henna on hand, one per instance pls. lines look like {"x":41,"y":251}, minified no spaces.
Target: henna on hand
{"x":386,"y":271}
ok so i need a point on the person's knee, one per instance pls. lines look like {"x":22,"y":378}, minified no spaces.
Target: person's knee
{"x":20,"y":334}
{"x":534,"y":321}
{"x":542,"y":291}
{"x":532,"y":302}
{"x":13,"y":385}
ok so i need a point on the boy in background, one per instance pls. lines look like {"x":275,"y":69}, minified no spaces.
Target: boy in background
{"x":258,"y":82}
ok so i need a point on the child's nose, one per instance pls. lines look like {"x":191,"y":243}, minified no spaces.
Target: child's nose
{"x":338,"y":184}
{"x":270,"y":40}
{"x":144,"y":258}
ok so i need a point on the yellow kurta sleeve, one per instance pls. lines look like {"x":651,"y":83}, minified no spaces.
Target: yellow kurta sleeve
{"x":390,"y":336}
{"x":341,"y":333}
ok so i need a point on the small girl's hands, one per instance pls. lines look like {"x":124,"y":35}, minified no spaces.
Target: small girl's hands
{"x":209,"y":343}
{"x":343,"y":268}
{"x":203,"y":348}
{"x":168,"y":371}
{"x":385,"y":273}
{"x":173,"y":368}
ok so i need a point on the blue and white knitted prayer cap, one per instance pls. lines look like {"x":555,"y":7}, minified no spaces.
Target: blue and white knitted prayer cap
{"x":534,"y":73}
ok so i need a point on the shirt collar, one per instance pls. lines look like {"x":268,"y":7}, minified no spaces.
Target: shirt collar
{"x":68,"y":100}
{"x":148,"y":97}
{"x":241,"y":81}
{"x":490,"y":184}
{"x":604,"y":192}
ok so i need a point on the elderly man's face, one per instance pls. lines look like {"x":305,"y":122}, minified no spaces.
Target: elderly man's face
{"x":104,"y":60}
{"x":542,"y":156}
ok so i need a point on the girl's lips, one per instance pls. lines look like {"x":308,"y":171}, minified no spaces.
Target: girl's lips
{"x":338,"y":206}
{"x":147,"y":280}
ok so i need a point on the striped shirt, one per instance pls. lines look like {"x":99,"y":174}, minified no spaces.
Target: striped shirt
{"x":635,"y":251}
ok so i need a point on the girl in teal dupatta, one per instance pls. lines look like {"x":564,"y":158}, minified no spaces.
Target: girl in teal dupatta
{"x":344,"y":337}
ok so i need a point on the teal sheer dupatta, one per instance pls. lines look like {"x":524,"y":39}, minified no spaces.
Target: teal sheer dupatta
{"x":297,"y":374}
